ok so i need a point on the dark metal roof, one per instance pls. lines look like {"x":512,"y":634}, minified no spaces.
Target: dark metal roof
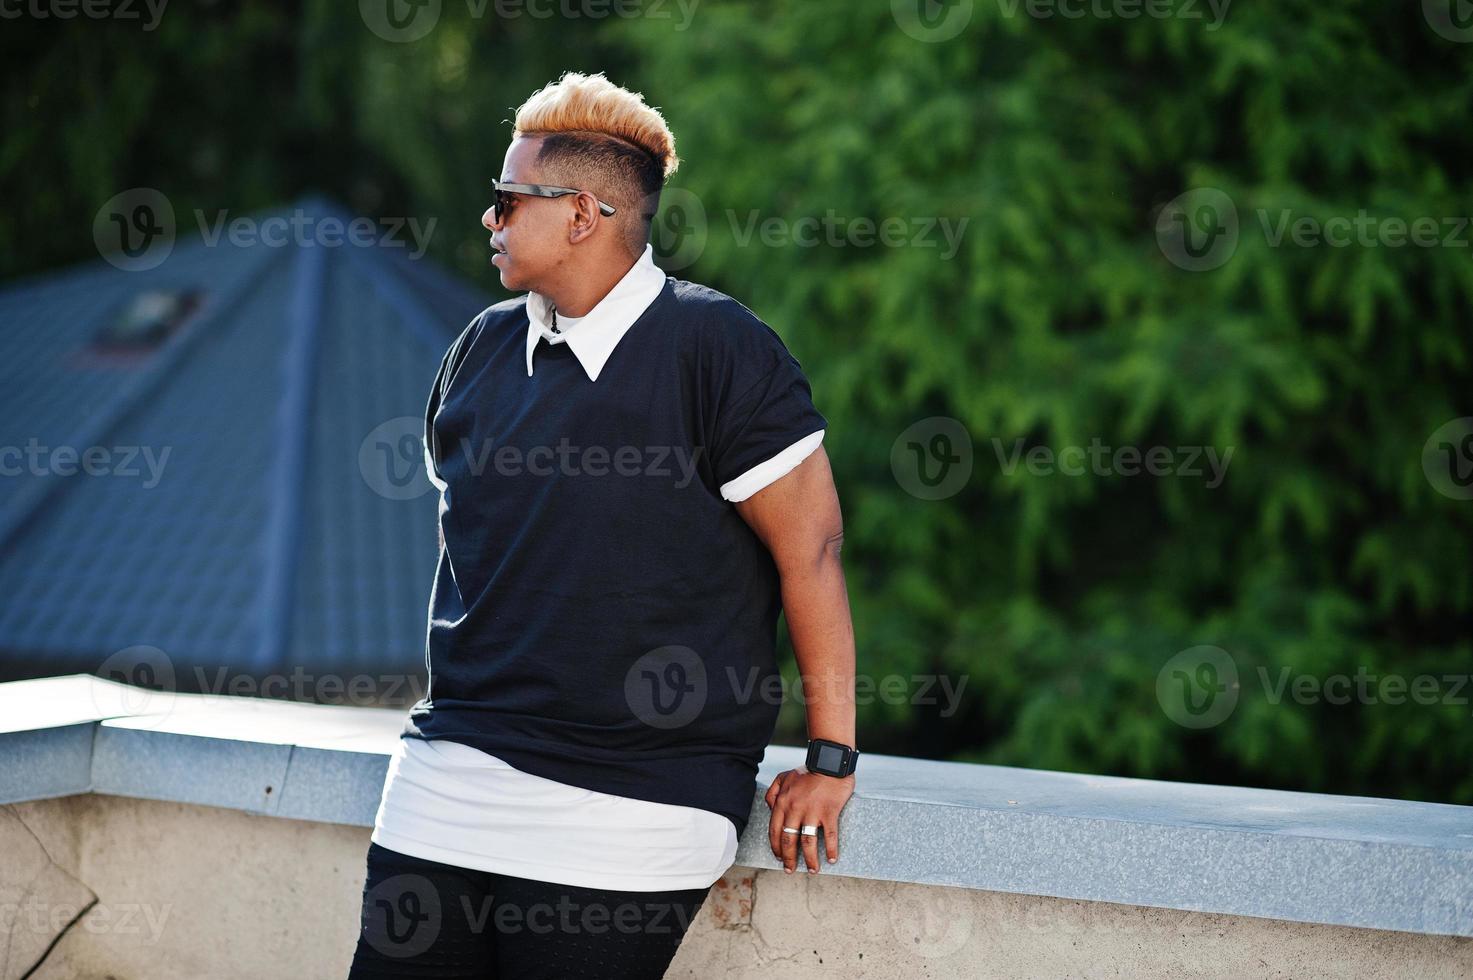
{"x":257,"y":499}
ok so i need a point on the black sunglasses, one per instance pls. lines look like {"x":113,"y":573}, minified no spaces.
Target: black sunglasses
{"x":503,"y":188}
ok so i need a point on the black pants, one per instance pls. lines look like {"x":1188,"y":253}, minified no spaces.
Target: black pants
{"x":426,"y":919}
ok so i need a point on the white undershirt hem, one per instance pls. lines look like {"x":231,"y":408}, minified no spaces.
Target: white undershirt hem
{"x":542,"y":870}
{"x":499,"y":819}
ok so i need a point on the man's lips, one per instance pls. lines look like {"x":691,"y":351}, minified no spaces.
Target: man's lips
{"x":494,"y":248}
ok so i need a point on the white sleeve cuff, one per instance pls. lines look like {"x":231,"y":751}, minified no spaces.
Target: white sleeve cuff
{"x":766,"y":473}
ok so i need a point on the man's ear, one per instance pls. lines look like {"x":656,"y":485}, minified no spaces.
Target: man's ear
{"x":585,"y":218}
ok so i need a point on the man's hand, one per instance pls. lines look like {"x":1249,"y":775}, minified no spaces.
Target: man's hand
{"x":799,"y":797}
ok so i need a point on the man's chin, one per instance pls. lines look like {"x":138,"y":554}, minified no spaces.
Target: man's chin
{"x":509,"y":277}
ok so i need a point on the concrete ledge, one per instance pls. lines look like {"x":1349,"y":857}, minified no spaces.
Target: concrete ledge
{"x":1300,"y":857}
{"x":123,"y":887}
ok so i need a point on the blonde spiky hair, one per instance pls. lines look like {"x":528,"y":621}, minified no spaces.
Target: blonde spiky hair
{"x":591,"y":104}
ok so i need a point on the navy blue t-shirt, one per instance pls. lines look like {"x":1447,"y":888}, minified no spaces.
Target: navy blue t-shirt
{"x":601,"y":615}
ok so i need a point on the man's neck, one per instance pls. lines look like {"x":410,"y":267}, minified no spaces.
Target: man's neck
{"x":581,"y":292}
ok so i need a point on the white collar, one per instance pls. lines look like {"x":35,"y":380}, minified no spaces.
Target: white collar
{"x":598,"y":333}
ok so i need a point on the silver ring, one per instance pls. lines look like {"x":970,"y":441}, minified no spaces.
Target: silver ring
{"x":790,"y":830}
{"x":810,"y":830}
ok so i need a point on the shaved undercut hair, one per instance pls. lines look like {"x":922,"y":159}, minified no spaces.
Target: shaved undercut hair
{"x":603,"y":139}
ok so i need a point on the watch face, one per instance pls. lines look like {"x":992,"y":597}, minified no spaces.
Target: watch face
{"x":830,"y":758}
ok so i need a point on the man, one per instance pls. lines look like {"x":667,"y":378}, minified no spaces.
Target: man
{"x":632,"y":487}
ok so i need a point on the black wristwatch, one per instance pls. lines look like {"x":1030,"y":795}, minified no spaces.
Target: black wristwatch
{"x":831,"y":758}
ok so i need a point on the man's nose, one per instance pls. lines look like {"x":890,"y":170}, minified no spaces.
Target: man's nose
{"x":489,"y":219}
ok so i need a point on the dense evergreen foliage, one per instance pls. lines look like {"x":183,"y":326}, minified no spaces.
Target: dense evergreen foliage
{"x":1314,"y":366}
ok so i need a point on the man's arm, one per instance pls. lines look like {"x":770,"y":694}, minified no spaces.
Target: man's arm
{"x":797,"y":517}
